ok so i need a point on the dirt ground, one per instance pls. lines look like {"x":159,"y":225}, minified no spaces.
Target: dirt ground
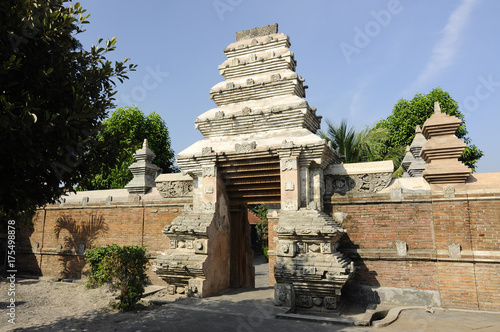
{"x":45,"y":304}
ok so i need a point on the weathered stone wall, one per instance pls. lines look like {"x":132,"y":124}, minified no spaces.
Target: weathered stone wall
{"x":42,"y":252}
{"x":426,"y":241}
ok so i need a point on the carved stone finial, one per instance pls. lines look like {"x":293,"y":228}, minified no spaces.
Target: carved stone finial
{"x":418,"y":130}
{"x":437,"y":108}
{"x":145,"y":144}
{"x":257,"y":32}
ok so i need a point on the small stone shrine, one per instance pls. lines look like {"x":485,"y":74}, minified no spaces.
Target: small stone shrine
{"x":412,"y":163}
{"x":443,"y":149}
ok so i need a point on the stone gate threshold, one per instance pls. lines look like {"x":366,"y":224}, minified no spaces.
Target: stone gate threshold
{"x":258,"y":302}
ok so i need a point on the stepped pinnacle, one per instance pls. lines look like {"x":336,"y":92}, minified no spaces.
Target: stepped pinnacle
{"x":437,"y":108}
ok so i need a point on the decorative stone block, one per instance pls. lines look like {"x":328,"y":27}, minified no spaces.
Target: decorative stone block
{"x":109,"y":199}
{"x":314,"y":247}
{"x":85,"y":200}
{"x":448,"y":191}
{"x":289,"y":186}
{"x":200,"y":246}
{"x":208,"y":171}
{"x":209,"y":190}
{"x":454,"y":250}
{"x":287,"y":144}
{"x":170,"y":189}
{"x":330,"y":302}
{"x":326,"y":248}
{"x":401,"y":248}
{"x":245,"y":147}
{"x":171,"y":289}
{"x":304,"y":301}
{"x":206,"y":151}
{"x":275,"y":77}
{"x":288,"y":164}
{"x":301,"y":247}
{"x":317,"y":301}
{"x":287,"y":248}
{"x":188,"y":207}
{"x":189,"y":244}
{"x":256,"y":32}
{"x":283,"y":295}
{"x":172,"y":244}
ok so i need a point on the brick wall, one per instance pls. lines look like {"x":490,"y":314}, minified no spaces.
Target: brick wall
{"x":93,"y":225}
{"x":429,"y":224}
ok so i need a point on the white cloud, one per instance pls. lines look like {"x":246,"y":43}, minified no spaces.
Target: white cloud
{"x":446,"y":48}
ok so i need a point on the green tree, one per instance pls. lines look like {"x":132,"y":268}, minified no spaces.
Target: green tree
{"x":54,"y":96}
{"x":356,"y":146}
{"x":407,"y":114}
{"x":119,"y":137}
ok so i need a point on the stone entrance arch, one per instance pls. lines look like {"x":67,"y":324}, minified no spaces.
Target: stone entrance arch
{"x":260,"y":146}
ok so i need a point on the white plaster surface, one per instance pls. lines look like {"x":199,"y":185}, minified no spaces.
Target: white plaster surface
{"x":385,"y":166}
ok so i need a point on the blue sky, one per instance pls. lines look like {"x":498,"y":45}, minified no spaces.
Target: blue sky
{"x":357,"y":57}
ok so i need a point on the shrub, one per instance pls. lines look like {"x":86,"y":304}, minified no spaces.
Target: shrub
{"x":266,"y":255}
{"x":123,"y":267}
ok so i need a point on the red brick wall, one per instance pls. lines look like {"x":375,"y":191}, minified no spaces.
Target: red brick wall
{"x":124,"y":224}
{"x":428,"y":224}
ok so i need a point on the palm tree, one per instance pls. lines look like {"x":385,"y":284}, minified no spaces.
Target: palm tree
{"x":355,"y":146}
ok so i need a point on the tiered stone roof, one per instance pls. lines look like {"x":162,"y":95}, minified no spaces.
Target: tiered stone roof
{"x":261,"y":99}
{"x":443,"y":149}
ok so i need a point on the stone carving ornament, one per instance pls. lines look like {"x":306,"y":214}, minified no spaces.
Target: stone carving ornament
{"x":171,"y":189}
{"x":208,"y":171}
{"x":245,"y":147}
{"x":356,"y":183}
{"x":454,"y":250}
{"x":401,"y":248}
{"x":288,"y":164}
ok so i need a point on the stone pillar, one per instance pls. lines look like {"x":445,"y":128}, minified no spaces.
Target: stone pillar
{"x":317,"y":184}
{"x":208,"y":185}
{"x":290,"y":182}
